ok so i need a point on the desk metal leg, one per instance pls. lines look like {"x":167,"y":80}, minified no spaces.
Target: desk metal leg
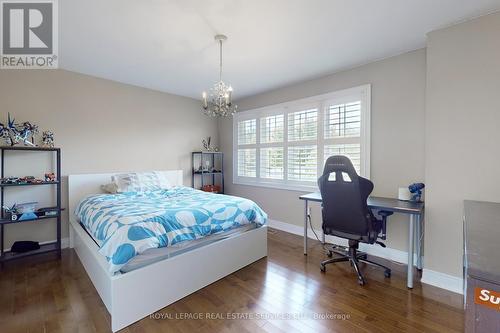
{"x":306,"y":208}
{"x":418,"y":228}
{"x":409,"y":274}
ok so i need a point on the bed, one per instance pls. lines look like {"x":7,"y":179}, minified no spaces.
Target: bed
{"x":133,"y":288}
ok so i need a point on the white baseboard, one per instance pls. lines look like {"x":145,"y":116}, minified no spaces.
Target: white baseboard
{"x":444,"y":281}
{"x":64,"y":243}
{"x":437,"y":279}
{"x":375,"y":250}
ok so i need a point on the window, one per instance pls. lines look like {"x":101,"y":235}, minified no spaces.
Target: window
{"x":343,"y":131}
{"x":271,"y":129}
{"x":286,"y":145}
{"x":353,"y":151}
{"x":302,"y":163}
{"x":343,"y":120}
{"x":247,"y":132}
{"x":303,"y":125}
{"x":271,"y":163}
{"x":247,"y":165}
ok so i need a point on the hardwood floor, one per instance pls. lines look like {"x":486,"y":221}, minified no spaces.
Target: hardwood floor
{"x":286,"y":292}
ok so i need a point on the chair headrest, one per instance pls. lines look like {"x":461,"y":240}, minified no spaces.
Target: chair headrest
{"x":339,"y":163}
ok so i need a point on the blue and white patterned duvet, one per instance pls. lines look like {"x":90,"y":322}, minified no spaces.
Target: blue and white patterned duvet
{"x":128,"y":224}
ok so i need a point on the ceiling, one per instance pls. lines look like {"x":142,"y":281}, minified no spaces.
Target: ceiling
{"x":168,"y":45}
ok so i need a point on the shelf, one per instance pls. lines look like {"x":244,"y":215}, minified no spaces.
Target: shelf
{"x":29,"y":184}
{"x":56,"y":209}
{"x":207,"y":173}
{"x":9,"y":221}
{"x":45,"y":248}
{"x":213,"y":173}
{"x":28,"y":148}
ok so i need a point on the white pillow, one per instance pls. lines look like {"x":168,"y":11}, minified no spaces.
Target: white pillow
{"x":109,"y":188}
{"x":141,"y":182}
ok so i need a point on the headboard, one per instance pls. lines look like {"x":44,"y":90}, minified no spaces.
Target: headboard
{"x":79,"y":186}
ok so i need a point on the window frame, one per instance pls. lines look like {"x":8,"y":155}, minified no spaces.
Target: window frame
{"x":321,"y":102}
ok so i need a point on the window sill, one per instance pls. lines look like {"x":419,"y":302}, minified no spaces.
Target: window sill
{"x":285,"y":187}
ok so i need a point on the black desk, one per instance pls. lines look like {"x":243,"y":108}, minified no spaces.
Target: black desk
{"x":414,"y":209}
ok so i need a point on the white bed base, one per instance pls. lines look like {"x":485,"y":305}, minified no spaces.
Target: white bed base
{"x":132,"y":296}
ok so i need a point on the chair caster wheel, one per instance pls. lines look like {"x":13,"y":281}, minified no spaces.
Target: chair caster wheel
{"x":329,"y":254}
{"x":361,"y":281}
{"x":387,"y":273}
{"x":322,"y":268}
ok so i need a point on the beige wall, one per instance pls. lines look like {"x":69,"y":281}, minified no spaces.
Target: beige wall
{"x":435,"y":112}
{"x":462,"y":159}
{"x":101,"y":126}
{"x":397,"y":143}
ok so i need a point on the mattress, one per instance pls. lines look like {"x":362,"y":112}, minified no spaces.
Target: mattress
{"x":151,"y":256}
{"x":129,"y":224}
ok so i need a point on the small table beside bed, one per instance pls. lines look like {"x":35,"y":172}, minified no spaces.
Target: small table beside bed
{"x":148,"y":247}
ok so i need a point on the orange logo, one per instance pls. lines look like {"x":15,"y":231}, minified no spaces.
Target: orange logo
{"x":488,"y":298}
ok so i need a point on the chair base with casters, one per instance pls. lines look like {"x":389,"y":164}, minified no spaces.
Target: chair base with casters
{"x":354,"y":257}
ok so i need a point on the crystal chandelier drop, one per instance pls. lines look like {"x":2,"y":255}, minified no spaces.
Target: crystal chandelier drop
{"x":219,"y":102}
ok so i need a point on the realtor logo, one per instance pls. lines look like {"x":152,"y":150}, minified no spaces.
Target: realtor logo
{"x":29,"y":34}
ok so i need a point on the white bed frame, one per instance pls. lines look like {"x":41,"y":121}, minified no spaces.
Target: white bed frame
{"x":132,"y":296}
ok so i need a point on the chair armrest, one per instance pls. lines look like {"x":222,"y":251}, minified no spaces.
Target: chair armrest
{"x":384,"y":214}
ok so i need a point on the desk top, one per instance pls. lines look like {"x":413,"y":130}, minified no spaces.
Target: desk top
{"x":482,"y":235}
{"x":394,"y":205}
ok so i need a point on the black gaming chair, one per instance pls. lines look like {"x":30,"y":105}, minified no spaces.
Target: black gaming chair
{"x":346,"y":214}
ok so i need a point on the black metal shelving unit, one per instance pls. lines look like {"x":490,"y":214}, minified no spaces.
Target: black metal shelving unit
{"x":216,"y":158}
{"x":44,"y":248}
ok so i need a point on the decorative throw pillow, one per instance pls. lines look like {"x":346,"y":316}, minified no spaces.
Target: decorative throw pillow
{"x":141,"y":181}
{"x":109,"y":188}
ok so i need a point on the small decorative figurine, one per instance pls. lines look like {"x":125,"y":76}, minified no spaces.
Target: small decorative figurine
{"x":26,"y":180}
{"x":20,"y":180}
{"x":5,"y":135}
{"x":48,"y":139}
{"x":27,"y":133}
{"x":9,"y":180}
{"x":207,"y":143}
{"x":20,"y":212}
{"x":11,"y":211}
{"x":50,"y":177}
{"x":14,"y":134}
{"x":416,"y":191}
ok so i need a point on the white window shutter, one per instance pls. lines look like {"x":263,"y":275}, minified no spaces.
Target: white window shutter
{"x":302,"y":163}
{"x":247,"y":162}
{"x":343,"y":120}
{"x":271,"y":163}
{"x":303,"y":125}
{"x":271,"y":129}
{"x":247,"y":132}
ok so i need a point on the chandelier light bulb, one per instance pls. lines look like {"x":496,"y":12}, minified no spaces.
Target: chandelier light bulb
{"x":205,"y":103}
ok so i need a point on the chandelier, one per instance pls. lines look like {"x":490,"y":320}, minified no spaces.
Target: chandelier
{"x":219,"y":102}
